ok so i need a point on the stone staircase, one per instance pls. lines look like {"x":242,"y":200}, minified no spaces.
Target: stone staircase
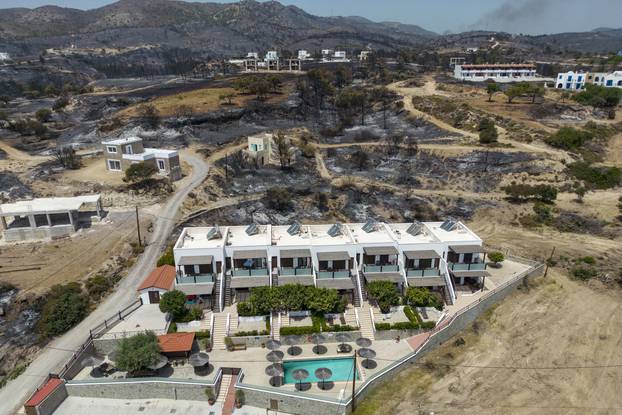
{"x":216,"y":297}
{"x":226,"y":395}
{"x":277,"y":324}
{"x":367,"y":326}
{"x":220,"y":331}
{"x":350,"y":316}
{"x":227,"y":301}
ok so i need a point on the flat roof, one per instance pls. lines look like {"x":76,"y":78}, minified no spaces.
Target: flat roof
{"x":320,"y":236}
{"x":120,"y":141}
{"x":379,"y":235}
{"x":403,"y":237}
{"x":160,"y":152}
{"x":280,"y":236}
{"x":237,"y":236}
{"x":47,"y":205}
{"x":459,"y":234}
{"x":197,"y":238}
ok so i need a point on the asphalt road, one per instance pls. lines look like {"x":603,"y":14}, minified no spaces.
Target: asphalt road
{"x":54,"y":356}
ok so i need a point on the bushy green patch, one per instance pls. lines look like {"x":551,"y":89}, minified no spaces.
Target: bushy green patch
{"x":251,"y":333}
{"x":291,"y":297}
{"x":595,"y":177}
{"x":167,"y":257}
{"x":599,"y":96}
{"x":203,"y":334}
{"x":412,"y":315}
{"x":522,"y":192}
{"x":174,"y":302}
{"x":65,"y":307}
{"x":583,"y":273}
{"x":297,"y":331}
{"x":590,"y":260}
{"x":98,"y":285}
{"x":569,"y":138}
{"x":384,"y":293}
{"x":137,"y":352}
{"x":422,"y":297}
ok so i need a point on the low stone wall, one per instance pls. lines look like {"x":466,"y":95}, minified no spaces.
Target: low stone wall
{"x":330,"y":337}
{"x":139,"y":388}
{"x":392,"y":334}
{"x":250,"y":341}
{"x":289,"y":404}
{"x":23,"y":234}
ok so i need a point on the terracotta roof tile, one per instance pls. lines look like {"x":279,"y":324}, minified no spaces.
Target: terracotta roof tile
{"x":161,"y":277}
{"x":39,"y":396}
{"x":176,"y":342}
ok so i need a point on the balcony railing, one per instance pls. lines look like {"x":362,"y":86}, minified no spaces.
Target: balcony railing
{"x":381,"y":268}
{"x":475,"y":266}
{"x":195,"y":279}
{"x":326,"y":275}
{"x":427,"y":272}
{"x":255,"y":272}
{"x":287,"y":272}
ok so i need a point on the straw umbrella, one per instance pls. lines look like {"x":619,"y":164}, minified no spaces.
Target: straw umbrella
{"x":363,"y":342}
{"x":367,"y":354}
{"x":291,"y":341}
{"x":323,"y":373}
{"x":159,"y":363}
{"x":300,"y":375}
{"x":275,"y":356}
{"x":273,"y":344}
{"x":318,"y":338}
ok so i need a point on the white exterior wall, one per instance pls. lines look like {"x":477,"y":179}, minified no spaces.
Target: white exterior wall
{"x":144,"y":294}
{"x":571,"y":81}
{"x":498,"y":75}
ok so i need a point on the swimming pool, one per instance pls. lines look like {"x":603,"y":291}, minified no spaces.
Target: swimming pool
{"x":342,"y":368}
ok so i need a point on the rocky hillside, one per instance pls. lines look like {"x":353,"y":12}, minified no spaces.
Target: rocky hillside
{"x":214,"y":27}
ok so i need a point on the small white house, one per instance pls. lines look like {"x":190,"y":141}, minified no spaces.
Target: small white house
{"x":158,"y":282}
{"x":577,"y":80}
{"x":571,"y":80}
{"x":304,"y":55}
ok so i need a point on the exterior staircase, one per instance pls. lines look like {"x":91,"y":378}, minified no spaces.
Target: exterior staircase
{"x":227,"y":290}
{"x":227,"y":394}
{"x":220,"y":331}
{"x":216,"y":297}
{"x":350,"y":316}
{"x":359,"y":284}
{"x":367,"y":325}
{"x":225,"y":382}
{"x":274,"y":279}
{"x":277,"y":323}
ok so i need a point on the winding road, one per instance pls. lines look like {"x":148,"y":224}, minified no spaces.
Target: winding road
{"x":55,"y":354}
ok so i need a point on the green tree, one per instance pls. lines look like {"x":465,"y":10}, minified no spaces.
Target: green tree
{"x":491,"y":89}
{"x":227,"y":97}
{"x":384,"y":293}
{"x":487,"y":131}
{"x":496,"y":257}
{"x":138,"y":172}
{"x":517,"y":90}
{"x":64,"y":307}
{"x":284,"y":149}
{"x":137,"y":352}
{"x":422,"y":297}
{"x":174,"y":302}
{"x":323,"y":300}
{"x":599,"y":96}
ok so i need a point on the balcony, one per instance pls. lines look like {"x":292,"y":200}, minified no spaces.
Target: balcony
{"x":381,"y":268}
{"x":292,"y":272}
{"x":474,"y":266}
{"x":254,"y":272}
{"x":195,"y":279}
{"x":326,"y":275}
{"x":427,"y":272}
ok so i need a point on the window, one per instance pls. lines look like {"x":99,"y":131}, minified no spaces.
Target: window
{"x":114,"y":165}
{"x":568,"y":86}
{"x":161,"y":165}
{"x":580,"y":79}
{"x":597,"y":79}
{"x":619,"y":83}
{"x":253,"y":147}
{"x":111,"y":149}
{"x":610,"y":82}
{"x":129,"y":149}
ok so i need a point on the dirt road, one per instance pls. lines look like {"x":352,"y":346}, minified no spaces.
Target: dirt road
{"x":55,"y":354}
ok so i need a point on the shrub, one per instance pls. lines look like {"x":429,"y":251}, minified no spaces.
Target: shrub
{"x":521,"y":192}
{"x":496,"y":257}
{"x":595,"y":177}
{"x":43,"y":115}
{"x":383,"y":326}
{"x":569,"y":138}
{"x":228,"y":343}
{"x":279,"y":198}
{"x":245,"y":309}
{"x":239,"y":396}
{"x":412,"y":315}
{"x":172,"y":328}
{"x":99,"y":285}
{"x":167,"y":257}
{"x":250,"y":333}
{"x":487,"y":131}
{"x":196,"y":313}
{"x":422,"y":297}
{"x":64,"y":308}
{"x":405,"y":325}
{"x":209,"y":393}
{"x":60,"y":104}
{"x":203,"y":334}
{"x":428,"y":325}
{"x":137,"y":352}
{"x":174,"y":302}
{"x":298,"y":330}
{"x":583,"y":273}
{"x":139,"y":172}
{"x":590,"y":260}
{"x":384,"y":293}
{"x":599,"y":96}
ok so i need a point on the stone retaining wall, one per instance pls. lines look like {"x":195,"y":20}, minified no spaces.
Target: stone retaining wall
{"x":392,"y":334}
{"x":139,"y":389}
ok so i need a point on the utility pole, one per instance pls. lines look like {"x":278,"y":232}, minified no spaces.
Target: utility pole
{"x":548,"y":261}
{"x":226,"y":166}
{"x":140,"y":243}
{"x":354,"y":383}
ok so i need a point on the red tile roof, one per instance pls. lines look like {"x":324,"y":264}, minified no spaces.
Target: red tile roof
{"x":161,"y":277}
{"x":176,"y":342}
{"x":39,"y":396}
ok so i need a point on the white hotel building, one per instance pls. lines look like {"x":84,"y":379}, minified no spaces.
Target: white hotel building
{"x":502,"y":73}
{"x":217,"y":266}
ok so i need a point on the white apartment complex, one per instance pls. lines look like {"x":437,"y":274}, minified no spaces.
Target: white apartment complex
{"x":502,"y":73}
{"x":217,"y":266}
{"x":577,"y":80}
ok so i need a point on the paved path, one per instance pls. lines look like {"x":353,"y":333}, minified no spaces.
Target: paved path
{"x":52,"y":358}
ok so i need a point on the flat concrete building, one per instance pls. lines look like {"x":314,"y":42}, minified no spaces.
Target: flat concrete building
{"x":123,"y":152}
{"x":52,"y":217}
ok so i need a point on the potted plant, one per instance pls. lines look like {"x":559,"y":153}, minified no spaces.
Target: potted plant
{"x":229,"y":343}
{"x":211,"y":398}
{"x":239,"y":398}
{"x":496,"y":258}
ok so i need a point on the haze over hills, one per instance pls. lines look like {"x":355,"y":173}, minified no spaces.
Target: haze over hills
{"x":234,"y":29}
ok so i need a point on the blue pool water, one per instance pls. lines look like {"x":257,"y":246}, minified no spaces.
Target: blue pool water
{"x":342,"y":369}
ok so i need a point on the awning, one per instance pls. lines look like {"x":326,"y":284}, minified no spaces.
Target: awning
{"x":196,"y":260}
{"x":467,"y":249}
{"x":429,"y":254}
{"x":296,"y":253}
{"x":333,"y":256}
{"x":258,"y":253}
{"x":380,"y":250}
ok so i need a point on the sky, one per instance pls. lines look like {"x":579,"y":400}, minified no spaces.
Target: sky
{"x":516,"y":16}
